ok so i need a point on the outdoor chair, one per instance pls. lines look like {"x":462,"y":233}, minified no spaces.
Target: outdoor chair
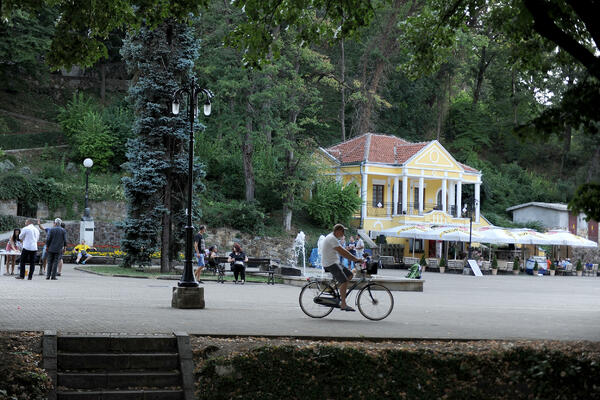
{"x":432,"y":262}
{"x":509,"y":267}
{"x":485,"y":266}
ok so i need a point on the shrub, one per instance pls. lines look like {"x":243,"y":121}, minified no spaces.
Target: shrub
{"x":423,"y":261}
{"x":495,"y":262}
{"x":553,"y":266}
{"x":535,"y":266}
{"x":7,"y":223}
{"x":333,"y":203}
{"x":443,"y":262}
{"x":579,"y":266}
{"x":517,"y":264}
{"x":30,"y":140}
{"x":246,"y":216}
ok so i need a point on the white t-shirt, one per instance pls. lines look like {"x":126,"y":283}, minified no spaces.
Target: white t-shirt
{"x":30,"y":236}
{"x":330,"y":256}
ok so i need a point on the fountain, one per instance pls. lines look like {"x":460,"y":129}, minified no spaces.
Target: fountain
{"x":320,"y":252}
{"x":299,"y":250}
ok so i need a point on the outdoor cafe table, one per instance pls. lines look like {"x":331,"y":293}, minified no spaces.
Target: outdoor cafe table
{"x":3,"y":254}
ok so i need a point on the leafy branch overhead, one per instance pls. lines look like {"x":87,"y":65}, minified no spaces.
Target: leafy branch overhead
{"x":81,"y":27}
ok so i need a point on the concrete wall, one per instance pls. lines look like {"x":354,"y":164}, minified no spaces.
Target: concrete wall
{"x":107,"y":211}
{"x":8,"y":207}
{"x":550,"y":218}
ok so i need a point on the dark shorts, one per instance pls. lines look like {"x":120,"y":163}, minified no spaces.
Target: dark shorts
{"x":340,"y":274}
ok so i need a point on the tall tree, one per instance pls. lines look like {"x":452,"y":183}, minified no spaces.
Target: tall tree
{"x":160,"y":60}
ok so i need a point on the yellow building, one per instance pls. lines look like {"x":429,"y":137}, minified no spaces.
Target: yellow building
{"x":404,"y":183}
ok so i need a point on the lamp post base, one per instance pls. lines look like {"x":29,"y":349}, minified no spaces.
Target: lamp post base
{"x":188,"y":297}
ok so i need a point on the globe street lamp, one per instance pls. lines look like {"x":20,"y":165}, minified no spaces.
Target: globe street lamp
{"x":192,"y":92}
{"x":86,"y":227}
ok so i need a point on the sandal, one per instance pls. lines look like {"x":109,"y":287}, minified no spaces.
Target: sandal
{"x":347,"y":308}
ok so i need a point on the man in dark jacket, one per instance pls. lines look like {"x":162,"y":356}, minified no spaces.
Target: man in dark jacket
{"x":55,"y":243}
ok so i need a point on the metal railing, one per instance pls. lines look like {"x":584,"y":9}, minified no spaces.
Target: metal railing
{"x":387,"y":209}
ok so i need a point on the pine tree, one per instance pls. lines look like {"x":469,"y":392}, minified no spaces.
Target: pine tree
{"x":161,"y":60}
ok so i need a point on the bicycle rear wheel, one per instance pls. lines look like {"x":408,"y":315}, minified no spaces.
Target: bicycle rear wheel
{"x":375,"y":301}
{"x":313,"y":292}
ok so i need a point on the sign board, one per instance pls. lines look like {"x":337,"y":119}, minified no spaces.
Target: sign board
{"x":475,"y":267}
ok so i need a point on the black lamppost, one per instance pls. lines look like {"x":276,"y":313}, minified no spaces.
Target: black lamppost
{"x":192,"y":92}
{"x":472,"y":208}
{"x":87,"y":163}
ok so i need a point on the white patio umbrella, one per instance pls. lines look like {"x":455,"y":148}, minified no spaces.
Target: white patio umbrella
{"x":566,"y":238}
{"x":495,"y":234}
{"x":404,"y":231}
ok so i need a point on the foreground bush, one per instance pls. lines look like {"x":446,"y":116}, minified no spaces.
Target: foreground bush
{"x":20,"y":367}
{"x":508,"y":372}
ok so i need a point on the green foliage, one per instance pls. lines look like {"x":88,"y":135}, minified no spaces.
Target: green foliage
{"x":7,"y":223}
{"x":157,"y":158}
{"x":423,"y":261}
{"x":587,"y":201}
{"x":3,"y":126}
{"x":553,"y":266}
{"x":248,"y":217}
{"x":517,"y":264}
{"x":20,"y":366}
{"x":30,"y":140}
{"x":494,"y":262}
{"x":535,"y":266}
{"x":96,"y":132}
{"x":443,"y":262}
{"x":579,"y":265}
{"x":333,"y":203}
{"x":515,"y":372}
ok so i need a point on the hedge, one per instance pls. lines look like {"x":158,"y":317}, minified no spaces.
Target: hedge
{"x":330,"y":372}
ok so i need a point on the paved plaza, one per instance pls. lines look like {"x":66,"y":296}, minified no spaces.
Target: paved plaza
{"x":451,"y":306}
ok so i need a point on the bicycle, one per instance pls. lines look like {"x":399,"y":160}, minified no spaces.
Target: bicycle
{"x":318,"y":297}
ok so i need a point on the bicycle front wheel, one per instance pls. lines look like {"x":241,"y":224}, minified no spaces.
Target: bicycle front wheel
{"x":311,"y":293}
{"x":375,"y":301}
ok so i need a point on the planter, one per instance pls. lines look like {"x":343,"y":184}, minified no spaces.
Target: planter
{"x":579,"y":273}
{"x":442,"y":270}
{"x":423,"y":268}
{"x":552,"y":272}
{"x":515,"y":272}
{"x":494,"y":271}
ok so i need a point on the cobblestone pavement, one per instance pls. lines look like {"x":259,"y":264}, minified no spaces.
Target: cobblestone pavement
{"x":451,"y":306}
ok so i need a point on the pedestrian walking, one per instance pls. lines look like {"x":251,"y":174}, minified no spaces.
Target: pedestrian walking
{"x":55,"y":244}
{"x":200,"y":249}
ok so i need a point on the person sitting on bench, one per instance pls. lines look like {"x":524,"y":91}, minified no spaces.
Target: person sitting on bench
{"x":82,"y":252}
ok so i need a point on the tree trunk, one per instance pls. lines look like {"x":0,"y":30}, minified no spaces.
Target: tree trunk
{"x":343,"y":82}
{"x":479,"y":79}
{"x":166,"y":229}
{"x":103,"y":83}
{"x":247,"y":150}
{"x":387,"y":44}
{"x":288,"y":201}
{"x":513,"y":96}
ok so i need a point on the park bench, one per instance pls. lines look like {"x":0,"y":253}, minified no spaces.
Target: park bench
{"x":263,"y":265}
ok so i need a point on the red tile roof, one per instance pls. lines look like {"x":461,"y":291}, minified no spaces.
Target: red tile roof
{"x":380,"y":148}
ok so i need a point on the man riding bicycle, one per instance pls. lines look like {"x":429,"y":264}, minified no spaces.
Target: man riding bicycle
{"x":332,"y":250}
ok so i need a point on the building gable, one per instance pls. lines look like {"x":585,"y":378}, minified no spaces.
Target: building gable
{"x":434,"y":156}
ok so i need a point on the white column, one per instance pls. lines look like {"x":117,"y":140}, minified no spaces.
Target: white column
{"x":388,"y":196}
{"x":451,"y":196}
{"x":396,"y":182}
{"x":458,"y":199}
{"x":444,"y":193}
{"x":405,"y":194}
{"x":477,"y":202}
{"x":363,"y":194}
{"x":421,"y":184}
